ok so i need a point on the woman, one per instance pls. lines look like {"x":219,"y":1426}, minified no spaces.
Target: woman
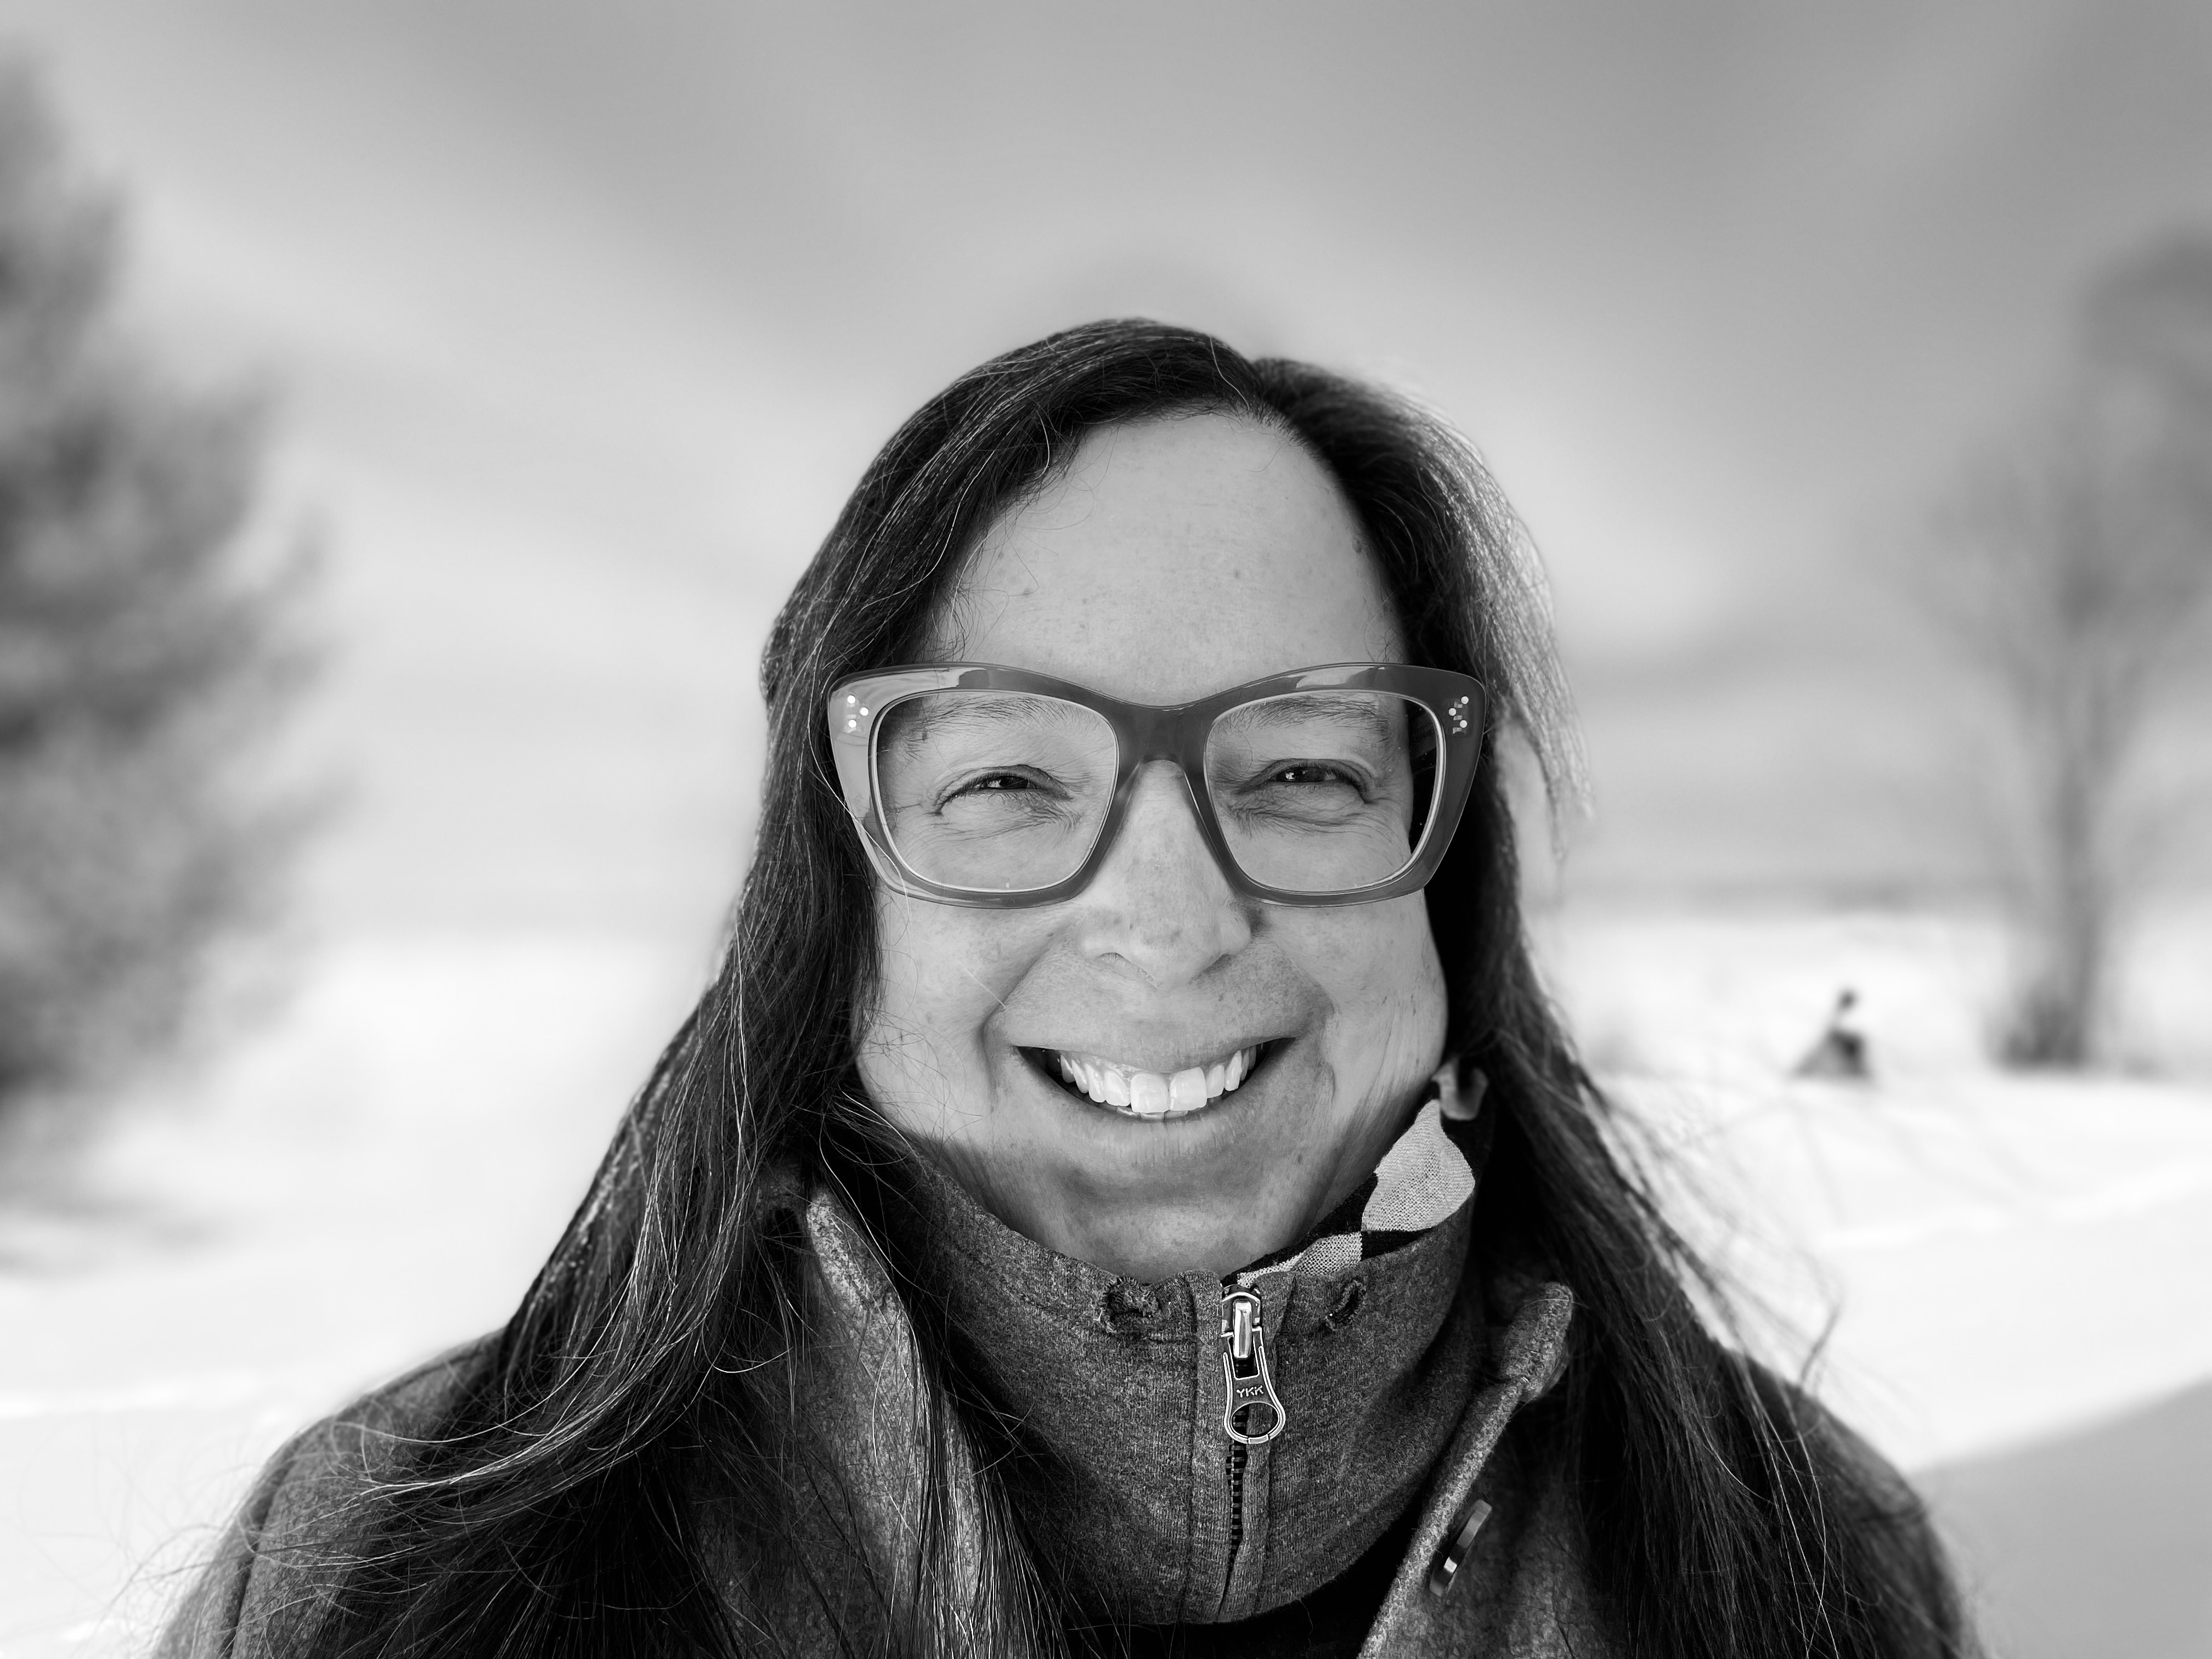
{"x":1125,"y":1191}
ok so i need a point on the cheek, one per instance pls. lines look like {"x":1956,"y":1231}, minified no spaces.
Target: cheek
{"x":941,"y":974}
{"x":1386,"y":988}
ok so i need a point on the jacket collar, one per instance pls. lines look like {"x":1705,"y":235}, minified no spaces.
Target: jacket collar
{"x":1493,"y":1557}
{"x":1115,"y":1394}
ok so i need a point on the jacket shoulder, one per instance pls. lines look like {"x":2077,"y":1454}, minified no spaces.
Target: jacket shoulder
{"x":1841,"y":1448}
{"x":1901,"y":1547}
{"x":286,"y":1540}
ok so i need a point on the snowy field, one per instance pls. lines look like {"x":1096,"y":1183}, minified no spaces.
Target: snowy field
{"x":2000,"y":1254}
{"x":377,"y":1175}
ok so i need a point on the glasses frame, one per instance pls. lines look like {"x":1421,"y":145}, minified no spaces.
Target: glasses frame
{"x":1146,"y":733}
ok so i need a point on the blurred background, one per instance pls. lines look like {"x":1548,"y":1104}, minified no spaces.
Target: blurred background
{"x":411,"y":415}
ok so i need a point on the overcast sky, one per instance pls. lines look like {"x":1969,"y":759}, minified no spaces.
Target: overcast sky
{"x":583,"y":317}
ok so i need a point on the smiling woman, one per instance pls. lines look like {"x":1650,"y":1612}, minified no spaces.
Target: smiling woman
{"x":1125,"y":1191}
{"x":1151,"y":970}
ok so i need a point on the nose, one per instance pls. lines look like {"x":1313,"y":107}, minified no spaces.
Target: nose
{"x":1159,"y":904}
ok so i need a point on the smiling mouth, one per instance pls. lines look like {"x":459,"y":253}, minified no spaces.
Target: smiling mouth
{"x":1134,"y":1092}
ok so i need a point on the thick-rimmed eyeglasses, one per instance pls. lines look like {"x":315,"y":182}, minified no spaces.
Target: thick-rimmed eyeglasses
{"x":981,"y":785}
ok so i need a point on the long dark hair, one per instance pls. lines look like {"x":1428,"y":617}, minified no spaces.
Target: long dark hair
{"x":659,"y":1357}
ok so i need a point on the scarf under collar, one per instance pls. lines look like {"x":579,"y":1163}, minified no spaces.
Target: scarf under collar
{"x":1421,"y":1179}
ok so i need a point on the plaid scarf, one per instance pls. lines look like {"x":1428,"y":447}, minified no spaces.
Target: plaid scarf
{"x":1421,"y":1179}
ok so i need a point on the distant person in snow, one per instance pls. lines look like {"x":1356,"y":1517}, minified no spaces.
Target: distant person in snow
{"x":1125,"y":1191}
{"x":1841,"y":1051}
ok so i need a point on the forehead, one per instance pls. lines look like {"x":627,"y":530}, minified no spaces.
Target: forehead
{"x":1171,"y":558}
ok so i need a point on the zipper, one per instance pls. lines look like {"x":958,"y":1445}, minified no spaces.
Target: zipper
{"x":1248,"y":1385}
{"x":1247,"y":1389}
{"x":1238,"y":1456}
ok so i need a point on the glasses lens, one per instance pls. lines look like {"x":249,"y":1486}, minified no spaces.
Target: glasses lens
{"x":1324,"y":792}
{"x":995,"y":791}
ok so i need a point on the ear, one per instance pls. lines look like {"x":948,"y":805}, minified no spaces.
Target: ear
{"x":1459,"y":1105}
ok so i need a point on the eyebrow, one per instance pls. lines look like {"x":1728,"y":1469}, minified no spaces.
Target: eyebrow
{"x":1357,"y":711}
{"x":917,"y":720}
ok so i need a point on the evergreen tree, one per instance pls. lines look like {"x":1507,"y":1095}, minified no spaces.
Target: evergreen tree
{"x":138,"y":661}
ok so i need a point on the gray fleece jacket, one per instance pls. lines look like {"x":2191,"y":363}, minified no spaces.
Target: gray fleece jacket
{"x":1399,"y":1381}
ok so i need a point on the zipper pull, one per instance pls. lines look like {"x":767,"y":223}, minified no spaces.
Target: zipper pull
{"x":1250,"y":1384}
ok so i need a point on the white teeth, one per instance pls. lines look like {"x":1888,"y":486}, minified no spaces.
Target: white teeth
{"x":1153,"y":1094}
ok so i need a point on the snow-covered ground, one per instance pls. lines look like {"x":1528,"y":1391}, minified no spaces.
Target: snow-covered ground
{"x":2000,"y":1256}
{"x":378,"y":1174}
{"x":373,"y":1179}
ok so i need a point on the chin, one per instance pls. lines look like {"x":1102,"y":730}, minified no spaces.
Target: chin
{"x":1166,"y":1240}
{"x":1208,"y":1189}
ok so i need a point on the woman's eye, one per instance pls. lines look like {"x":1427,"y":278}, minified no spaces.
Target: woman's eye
{"x":1037,"y":788}
{"x":1308,"y":772}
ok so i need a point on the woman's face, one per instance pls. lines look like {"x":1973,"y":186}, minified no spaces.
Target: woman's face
{"x":1174,"y":558}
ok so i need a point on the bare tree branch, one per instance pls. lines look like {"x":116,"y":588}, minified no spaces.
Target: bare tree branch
{"x":2069,"y":564}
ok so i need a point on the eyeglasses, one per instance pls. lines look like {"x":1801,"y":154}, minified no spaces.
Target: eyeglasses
{"x":973,"y":784}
